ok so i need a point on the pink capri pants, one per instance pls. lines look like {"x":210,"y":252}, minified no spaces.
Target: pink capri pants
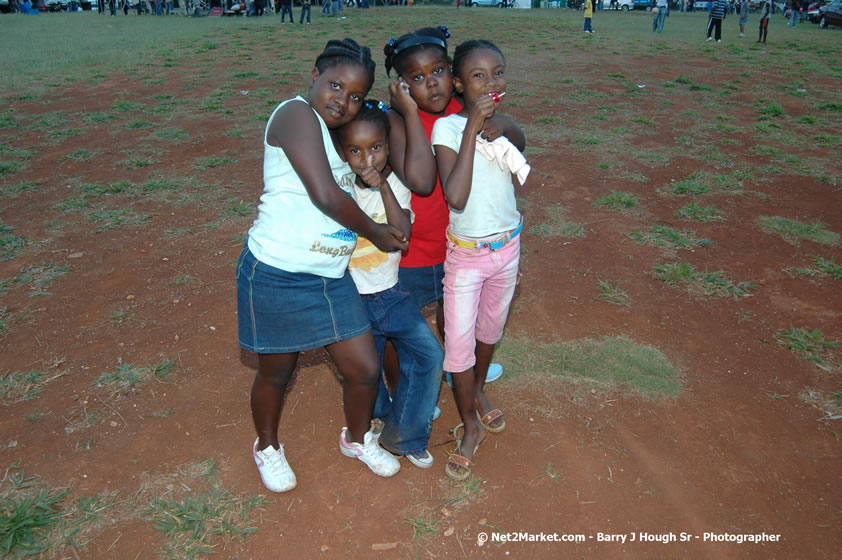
{"x":478,"y":288}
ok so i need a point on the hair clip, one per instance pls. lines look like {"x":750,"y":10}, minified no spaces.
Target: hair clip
{"x":445,"y":31}
{"x":380,"y":105}
{"x":391,"y":42}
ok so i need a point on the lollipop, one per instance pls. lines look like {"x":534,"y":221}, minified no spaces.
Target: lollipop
{"x":496,"y":96}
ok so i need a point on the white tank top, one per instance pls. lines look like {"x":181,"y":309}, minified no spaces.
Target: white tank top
{"x":290,"y":233}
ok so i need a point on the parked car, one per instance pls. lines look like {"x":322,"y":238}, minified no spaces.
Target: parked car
{"x":624,"y":5}
{"x":491,"y":3}
{"x":831,"y":14}
{"x":57,"y":5}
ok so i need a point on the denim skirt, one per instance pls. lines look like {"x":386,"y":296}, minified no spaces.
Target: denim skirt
{"x":279,"y":312}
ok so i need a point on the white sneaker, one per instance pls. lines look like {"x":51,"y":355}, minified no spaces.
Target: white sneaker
{"x":423,"y":460}
{"x":375,"y":457}
{"x":710,"y":38}
{"x":273,"y":467}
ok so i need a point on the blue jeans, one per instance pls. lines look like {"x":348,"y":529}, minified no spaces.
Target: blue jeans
{"x":287,"y":9}
{"x":588,"y":24}
{"x":408,"y":418}
{"x":792,"y":18}
{"x":658,"y":20}
{"x":305,"y":8}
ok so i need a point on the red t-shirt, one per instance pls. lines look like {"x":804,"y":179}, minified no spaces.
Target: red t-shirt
{"x":428,"y":242}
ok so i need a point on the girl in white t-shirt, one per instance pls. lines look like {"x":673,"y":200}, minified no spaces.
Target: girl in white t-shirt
{"x":408,"y":415}
{"x":481,"y":266}
{"x":293,"y":289}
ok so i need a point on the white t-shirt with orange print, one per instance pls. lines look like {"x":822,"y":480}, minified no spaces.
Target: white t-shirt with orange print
{"x":373,"y":270}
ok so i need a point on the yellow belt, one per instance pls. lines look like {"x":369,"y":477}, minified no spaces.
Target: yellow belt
{"x":493,"y":245}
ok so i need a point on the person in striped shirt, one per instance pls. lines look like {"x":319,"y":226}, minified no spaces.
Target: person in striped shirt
{"x":717,"y":14}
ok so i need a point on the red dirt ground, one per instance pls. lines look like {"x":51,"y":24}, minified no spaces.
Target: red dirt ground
{"x":724,"y":457}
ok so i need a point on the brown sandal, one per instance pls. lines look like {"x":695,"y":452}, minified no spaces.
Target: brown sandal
{"x":492,"y":416}
{"x":456,"y":461}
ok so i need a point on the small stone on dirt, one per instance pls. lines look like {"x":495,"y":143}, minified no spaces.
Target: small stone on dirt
{"x":75,"y":255}
{"x":384,"y":546}
{"x":130,"y":296}
{"x":483,"y":521}
{"x":449,"y":531}
{"x":113,"y":424}
{"x":324,"y":548}
{"x":12,"y":443}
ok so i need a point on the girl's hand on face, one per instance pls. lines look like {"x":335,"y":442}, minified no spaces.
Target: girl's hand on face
{"x":388,"y":238}
{"x":370,"y":175}
{"x":400,"y":99}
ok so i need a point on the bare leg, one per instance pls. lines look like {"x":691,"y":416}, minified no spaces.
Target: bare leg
{"x":274,"y":372}
{"x":483,"y":353}
{"x":463,"y":391}
{"x":359,"y":365}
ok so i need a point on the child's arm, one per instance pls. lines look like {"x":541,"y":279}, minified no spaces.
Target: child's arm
{"x":501,"y":125}
{"x":306,"y":153}
{"x":410,"y":155}
{"x":456,"y":169}
{"x":395,"y":215}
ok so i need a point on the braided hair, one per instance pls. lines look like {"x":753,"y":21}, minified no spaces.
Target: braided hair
{"x":346,"y":50}
{"x":464,"y":49}
{"x":397,"y":50}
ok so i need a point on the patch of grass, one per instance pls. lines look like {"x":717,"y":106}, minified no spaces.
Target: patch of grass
{"x":551,"y":472}
{"x":60,"y":135}
{"x":793,"y":230}
{"x":135,"y":125}
{"x":120,"y":316}
{"x":125,"y":378}
{"x":40,"y":276}
{"x":832,"y":107}
{"x":93,"y":118}
{"x":172,"y":133}
{"x":708,"y":283}
{"x":112,"y":219}
{"x":211,"y":162}
{"x":772,"y":109}
{"x":692,"y":186}
{"x":14,"y":191}
{"x":548,"y":119}
{"x":29,"y":515}
{"x":617,"y":201}
{"x":19,"y":386}
{"x":421,"y":527}
{"x":828,"y":140}
{"x":613,"y":293}
{"x":588,"y":140}
{"x":198,"y":522}
{"x":10,"y":245}
{"x":699,"y":213}
{"x":809,"y":344}
{"x":173,"y":233}
{"x":667,"y":237}
{"x":80,"y":155}
{"x":10,"y":167}
{"x":820,"y":267}
{"x":556,"y":225}
{"x":239,"y":210}
{"x":136,"y":163}
{"x":612,"y":363}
